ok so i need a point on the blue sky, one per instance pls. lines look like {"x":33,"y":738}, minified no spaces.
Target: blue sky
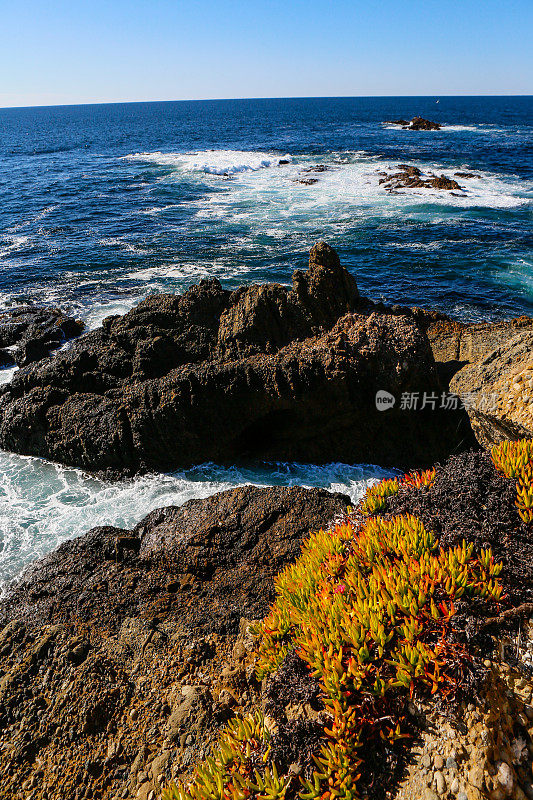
{"x":67,"y":51}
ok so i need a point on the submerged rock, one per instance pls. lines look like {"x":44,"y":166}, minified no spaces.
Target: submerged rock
{"x":32,"y":333}
{"x":266,"y":371}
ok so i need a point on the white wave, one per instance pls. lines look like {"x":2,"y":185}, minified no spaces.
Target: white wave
{"x":11,"y":244}
{"x":416,"y":245}
{"x":124,"y":243}
{"x":94,"y":314}
{"x":213,"y":162}
{"x":6,"y":374}
{"x":43,"y":504}
{"x":472,"y":128}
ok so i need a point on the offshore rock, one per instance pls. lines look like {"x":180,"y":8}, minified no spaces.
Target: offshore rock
{"x":416,"y":124}
{"x":266,"y":371}
{"x":421,"y":124}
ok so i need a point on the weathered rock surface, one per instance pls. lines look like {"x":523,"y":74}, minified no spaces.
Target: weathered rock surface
{"x":490,"y":365}
{"x":124,"y":651}
{"x":266,"y":371}
{"x":466,"y":342}
{"x":500,"y":391}
{"x":31,"y":333}
{"x":201,"y":561}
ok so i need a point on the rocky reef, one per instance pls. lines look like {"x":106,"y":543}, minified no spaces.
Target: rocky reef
{"x":409,"y":177}
{"x":266,"y":371}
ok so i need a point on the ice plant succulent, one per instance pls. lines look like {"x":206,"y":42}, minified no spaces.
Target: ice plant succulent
{"x":369,"y":608}
{"x":376,"y":495}
{"x":236,"y":768}
{"x":515,"y":460}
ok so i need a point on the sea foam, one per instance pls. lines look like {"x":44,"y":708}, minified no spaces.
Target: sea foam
{"x":213,"y":162}
{"x":43,"y":504}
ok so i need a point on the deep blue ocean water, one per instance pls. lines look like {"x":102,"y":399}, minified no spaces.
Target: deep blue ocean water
{"x":101,"y":205}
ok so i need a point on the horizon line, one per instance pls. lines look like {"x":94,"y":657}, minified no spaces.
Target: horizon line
{"x":266,"y":97}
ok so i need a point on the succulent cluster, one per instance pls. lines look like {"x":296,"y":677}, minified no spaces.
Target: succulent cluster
{"x":515,"y":460}
{"x":376,"y":495}
{"x":237,"y":767}
{"x":369,"y":608}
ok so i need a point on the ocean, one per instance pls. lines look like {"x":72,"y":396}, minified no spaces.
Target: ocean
{"x":102,"y":205}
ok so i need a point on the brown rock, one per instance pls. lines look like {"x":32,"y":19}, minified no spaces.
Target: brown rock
{"x":234,"y":542}
{"x":499,"y":389}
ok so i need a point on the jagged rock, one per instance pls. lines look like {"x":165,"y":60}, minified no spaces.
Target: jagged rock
{"x":266,"y":371}
{"x":33,"y":332}
{"x":442,"y":182}
{"x":499,"y":391}
{"x":94,"y":702}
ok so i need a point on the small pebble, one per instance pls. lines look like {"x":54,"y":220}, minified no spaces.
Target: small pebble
{"x":440,"y":782}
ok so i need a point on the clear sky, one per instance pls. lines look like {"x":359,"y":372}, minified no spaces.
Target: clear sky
{"x":87,"y":51}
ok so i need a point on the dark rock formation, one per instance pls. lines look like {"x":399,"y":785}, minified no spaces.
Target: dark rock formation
{"x":207,"y":563}
{"x":416,"y":124}
{"x":466,"y":175}
{"x":32,"y":333}
{"x":266,"y":371}
{"x":410,"y":177}
{"x":6,"y":359}
{"x":421,"y":124}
